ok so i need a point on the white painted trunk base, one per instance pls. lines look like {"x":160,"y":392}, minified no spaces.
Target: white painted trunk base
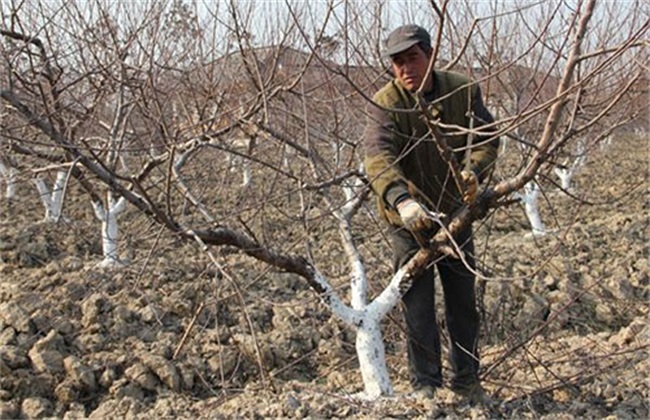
{"x":9,"y":174}
{"x":110,"y":228}
{"x":52,"y":200}
{"x":531,"y":193}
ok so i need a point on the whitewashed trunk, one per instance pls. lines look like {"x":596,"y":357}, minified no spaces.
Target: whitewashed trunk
{"x":535,"y":220}
{"x":110,"y":234}
{"x":108,"y":215}
{"x":247,"y":175}
{"x":363,"y":317}
{"x":369,"y":341}
{"x":372,"y":359}
{"x":9,"y":175}
{"x":532,"y":211}
{"x":606,"y":142}
{"x":52,"y":200}
{"x":529,"y":198}
{"x":565,"y":176}
{"x":57,"y":193}
{"x":238,"y":163}
{"x":503,"y":145}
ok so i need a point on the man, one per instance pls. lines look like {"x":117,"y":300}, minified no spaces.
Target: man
{"x":411,"y":179}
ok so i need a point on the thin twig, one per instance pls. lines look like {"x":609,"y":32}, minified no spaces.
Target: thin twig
{"x":187,"y":330}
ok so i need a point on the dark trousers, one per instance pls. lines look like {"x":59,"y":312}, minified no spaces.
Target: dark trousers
{"x":420,"y":314}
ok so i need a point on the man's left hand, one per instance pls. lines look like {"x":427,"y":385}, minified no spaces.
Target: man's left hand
{"x":470,"y":183}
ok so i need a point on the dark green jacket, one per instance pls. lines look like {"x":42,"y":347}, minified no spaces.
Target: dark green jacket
{"x":401,"y":157}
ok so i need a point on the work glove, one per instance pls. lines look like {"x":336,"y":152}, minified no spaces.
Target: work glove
{"x":415,"y":216}
{"x":470,"y":185}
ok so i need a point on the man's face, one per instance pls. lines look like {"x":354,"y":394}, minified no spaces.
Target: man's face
{"x":410,"y":67}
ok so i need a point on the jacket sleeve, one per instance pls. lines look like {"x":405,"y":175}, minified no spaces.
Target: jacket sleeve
{"x":484,"y":152}
{"x":381,"y":143}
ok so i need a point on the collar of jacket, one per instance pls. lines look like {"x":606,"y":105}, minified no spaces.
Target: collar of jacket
{"x":435,"y":108}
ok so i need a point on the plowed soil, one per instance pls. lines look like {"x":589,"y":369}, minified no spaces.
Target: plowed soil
{"x":564,"y":317}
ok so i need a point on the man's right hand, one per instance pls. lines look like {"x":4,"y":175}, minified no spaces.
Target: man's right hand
{"x":415,"y":217}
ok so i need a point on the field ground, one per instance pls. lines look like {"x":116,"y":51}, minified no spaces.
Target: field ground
{"x":78,"y":340}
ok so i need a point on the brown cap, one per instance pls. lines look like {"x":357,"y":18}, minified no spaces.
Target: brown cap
{"x":404,"y":37}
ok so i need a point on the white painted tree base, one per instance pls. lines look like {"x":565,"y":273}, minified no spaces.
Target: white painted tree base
{"x":52,"y":200}
{"x":110,"y":232}
{"x":113,"y":263}
{"x":531,"y":192}
{"x":9,"y":174}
